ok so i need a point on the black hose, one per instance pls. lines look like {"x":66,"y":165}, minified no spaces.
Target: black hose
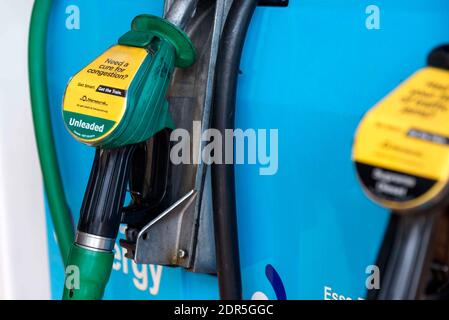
{"x":405,"y":256}
{"x":223,"y":188}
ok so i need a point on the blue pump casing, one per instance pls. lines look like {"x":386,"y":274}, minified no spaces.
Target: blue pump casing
{"x":310,"y":71}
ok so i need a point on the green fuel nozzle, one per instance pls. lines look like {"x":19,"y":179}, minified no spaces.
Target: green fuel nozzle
{"x":113,"y":104}
{"x":120,"y":98}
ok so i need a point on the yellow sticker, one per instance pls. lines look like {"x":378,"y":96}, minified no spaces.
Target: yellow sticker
{"x":96,"y":97}
{"x":401,"y":147}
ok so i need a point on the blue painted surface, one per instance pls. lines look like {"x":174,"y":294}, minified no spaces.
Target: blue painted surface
{"x":311,"y":71}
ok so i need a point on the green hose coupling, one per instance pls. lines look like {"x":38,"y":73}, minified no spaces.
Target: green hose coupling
{"x":87,"y":273}
{"x":120,"y":98}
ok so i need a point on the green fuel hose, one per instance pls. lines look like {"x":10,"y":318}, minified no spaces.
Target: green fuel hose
{"x":42,"y":125}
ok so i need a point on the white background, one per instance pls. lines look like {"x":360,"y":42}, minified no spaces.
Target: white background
{"x":24,"y":272}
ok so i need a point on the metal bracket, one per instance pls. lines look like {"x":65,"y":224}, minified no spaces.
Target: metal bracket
{"x":168,"y":239}
{"x":182,"y":235}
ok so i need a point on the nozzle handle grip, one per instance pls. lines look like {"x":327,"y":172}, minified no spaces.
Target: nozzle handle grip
{"x":105,"y":193}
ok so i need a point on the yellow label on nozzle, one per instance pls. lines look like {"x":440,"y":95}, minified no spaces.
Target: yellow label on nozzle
{"x":96,"y":97}
{"x":401,"y":147}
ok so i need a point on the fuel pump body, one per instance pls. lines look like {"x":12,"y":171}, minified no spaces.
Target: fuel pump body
{"x":345,"y":221}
